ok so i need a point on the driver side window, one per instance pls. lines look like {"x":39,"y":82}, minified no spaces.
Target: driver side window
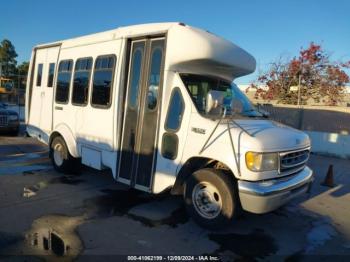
{"x":175,"y":111}
{"x":172,"y":125}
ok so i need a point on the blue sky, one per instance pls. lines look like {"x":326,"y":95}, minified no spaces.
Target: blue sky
{"x":266,"y":29}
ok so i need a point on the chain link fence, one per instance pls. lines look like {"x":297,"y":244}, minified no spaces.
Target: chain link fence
{"x":12,"y":93}
{"x":12,"y":89}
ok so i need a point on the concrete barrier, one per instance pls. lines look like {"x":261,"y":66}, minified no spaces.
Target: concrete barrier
{"x":331,"y":144}
{"x":328,"y":128}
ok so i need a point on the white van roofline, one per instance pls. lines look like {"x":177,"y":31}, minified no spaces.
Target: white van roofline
{"x":120,"y":32}
{"x":189,"y":49}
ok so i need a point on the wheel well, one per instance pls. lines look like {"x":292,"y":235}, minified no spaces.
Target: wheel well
{"x":194,"y":164}
{"x":53,"y":135}
{"x":68,"y":138}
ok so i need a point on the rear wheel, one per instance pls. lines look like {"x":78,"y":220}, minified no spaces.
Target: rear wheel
{"x":61,"y":159}
{"x":211,"y":198}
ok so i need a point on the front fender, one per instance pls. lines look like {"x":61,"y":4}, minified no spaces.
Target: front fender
{"x":218,"y":148}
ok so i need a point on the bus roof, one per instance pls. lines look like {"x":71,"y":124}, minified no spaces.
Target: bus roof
{"x":189,"y":49}
{"x":120,"y":32}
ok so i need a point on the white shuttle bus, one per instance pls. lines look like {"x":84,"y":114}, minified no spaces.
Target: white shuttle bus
{"x":157,"y":105}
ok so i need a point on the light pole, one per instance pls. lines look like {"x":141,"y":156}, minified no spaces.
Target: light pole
{"x":299,"y":89}
{"x":299,"y":84}
{"x":0,"y":69}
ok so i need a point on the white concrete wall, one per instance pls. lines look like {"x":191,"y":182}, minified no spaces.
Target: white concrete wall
{"x":330,"y":143}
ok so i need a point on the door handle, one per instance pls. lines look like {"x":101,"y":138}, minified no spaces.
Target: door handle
{"x":58,"y":108}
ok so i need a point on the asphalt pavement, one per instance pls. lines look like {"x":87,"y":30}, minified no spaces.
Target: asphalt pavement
{"x":47,"y":215}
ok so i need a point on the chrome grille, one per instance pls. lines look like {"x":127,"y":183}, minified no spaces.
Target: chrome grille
{"x":3,"y":120}
{"x":293,"y":161}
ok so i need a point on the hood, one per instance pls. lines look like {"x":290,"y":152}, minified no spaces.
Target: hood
{"x":266,"y":135}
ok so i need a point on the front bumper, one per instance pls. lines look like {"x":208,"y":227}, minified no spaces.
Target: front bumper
{"x":262,"y":197}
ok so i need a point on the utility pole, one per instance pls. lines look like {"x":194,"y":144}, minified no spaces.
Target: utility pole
{"x":299,"y":89}
{"x":301,"y":111}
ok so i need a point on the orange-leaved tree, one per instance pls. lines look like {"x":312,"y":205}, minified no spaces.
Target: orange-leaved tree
{"x":319,"y":78}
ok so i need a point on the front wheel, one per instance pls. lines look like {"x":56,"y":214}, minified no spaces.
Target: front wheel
{"x":211,"y":198}
{"x":61,"y":159}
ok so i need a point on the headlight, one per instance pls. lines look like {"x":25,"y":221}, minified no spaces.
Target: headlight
{"x":13,"y":117}
{"x":261,"y":161}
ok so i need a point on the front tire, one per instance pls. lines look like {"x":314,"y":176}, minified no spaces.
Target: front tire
{"x":211,"y":198}
{"x":61,"y":159}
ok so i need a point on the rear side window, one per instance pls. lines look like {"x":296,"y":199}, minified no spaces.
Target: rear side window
{"x":50,"y":75}
{"x":175,"y":111}
{"x":39,"y":74}
{"x":154,"y":78}
{"x":102,"y":81}
{"x":135,"y":77}
{"x":81,"y":81}
{"x":63,"y":81}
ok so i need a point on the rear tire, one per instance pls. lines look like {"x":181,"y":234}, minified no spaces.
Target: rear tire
{"x":61,"y":159}
{"x":211,"y":198}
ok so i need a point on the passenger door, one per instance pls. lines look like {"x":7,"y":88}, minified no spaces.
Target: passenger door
{"x":47,"y":89}
{"x":40,"y":114}
{"x":141,"y":114}
{"x":36,"y":93}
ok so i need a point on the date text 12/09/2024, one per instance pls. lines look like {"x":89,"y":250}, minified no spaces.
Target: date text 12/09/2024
{"x":174,"y":258}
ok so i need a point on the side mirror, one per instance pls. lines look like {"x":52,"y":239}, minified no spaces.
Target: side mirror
{"x":214,"y":102}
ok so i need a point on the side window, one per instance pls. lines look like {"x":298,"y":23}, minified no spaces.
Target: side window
{"x":63,"y":81}
{"x":50,"y":75}
{"x":154,"y":78}
{"x":39,"y":74}
{"x":170,"y":142}
{"x":102,"y":81}
{"x":175,"y":111}
{"x":172,"y":125}
{"x":135,"y":77}
{"x":81,"y":81}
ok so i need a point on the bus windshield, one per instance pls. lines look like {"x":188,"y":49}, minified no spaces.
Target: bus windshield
{"x":199,"y":86}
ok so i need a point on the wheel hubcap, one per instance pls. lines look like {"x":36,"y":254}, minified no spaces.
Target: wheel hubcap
{"x":58,"y":154}
{"x":207,"y":200}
